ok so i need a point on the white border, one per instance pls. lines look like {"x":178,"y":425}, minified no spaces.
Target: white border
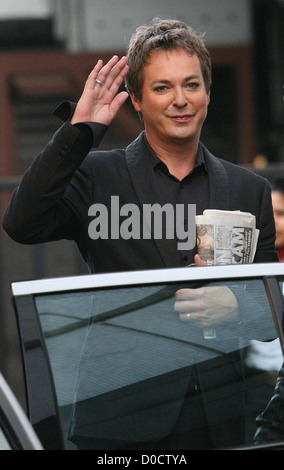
{"x":145,"y":277}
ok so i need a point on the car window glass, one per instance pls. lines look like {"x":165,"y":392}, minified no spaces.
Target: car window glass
{"x":281,"y":285}
{"x":130,"y":373}
{"x":4,"y":444}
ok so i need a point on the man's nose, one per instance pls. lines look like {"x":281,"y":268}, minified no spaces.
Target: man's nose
{"x":180,"y":99}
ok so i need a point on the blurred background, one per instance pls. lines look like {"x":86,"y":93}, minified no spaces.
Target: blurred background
{"x":47,"y":49}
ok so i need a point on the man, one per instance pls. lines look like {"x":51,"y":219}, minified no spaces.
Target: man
{"x":277,"y":195}
{"x":168,"y":77}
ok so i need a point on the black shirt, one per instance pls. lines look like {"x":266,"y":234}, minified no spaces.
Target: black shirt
{"x":193,"y":189}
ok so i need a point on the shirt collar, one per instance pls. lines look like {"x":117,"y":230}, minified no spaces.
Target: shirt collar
{"x":156,"y":161}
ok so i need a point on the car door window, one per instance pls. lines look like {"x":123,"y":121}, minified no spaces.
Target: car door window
{"x":131,"y":373}
{"x":4,"y":444}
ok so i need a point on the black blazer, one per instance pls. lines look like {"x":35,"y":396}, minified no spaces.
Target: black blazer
{"x":55,"y":194}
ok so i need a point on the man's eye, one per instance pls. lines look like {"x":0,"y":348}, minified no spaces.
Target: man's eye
{"x":161,"y":88}
{"x":193,"y":85}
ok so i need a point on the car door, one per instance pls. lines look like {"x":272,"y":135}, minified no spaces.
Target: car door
{"x":16,"y":432}
{"x":111,"y":364}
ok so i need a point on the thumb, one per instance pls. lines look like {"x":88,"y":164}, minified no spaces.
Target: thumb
{"x":198,"y":261}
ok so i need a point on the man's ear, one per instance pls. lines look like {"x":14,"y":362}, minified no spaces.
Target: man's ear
{"x":136,"y":103}
{"x":208,"y":97}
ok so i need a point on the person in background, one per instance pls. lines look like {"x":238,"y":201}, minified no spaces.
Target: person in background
{"x":277,"y":195}
{"x":270,"y":423}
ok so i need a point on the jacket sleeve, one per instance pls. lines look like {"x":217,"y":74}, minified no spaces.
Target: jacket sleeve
{"x":265,"y":222}
{"x":37,"y":211}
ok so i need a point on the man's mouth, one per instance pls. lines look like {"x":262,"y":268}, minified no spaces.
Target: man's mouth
{"x":181,"y":117}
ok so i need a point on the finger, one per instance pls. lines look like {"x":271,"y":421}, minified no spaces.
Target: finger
{"x":200,"y":262}
{"x":111,"y":70}
{"x":189,"y":306}
{"x":118,"y":101}
{"x":186,"y":317}
{"x":100,"y":71}
{"x":115,"y":84}
{"x":195,"y":318}
{"x":118,"y":79}
{"x":188,"y":294}
{"x":91,"y":80}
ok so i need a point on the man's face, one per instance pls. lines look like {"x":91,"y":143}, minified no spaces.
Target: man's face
{"x":174,"y":98}
{"x":278,"y":210}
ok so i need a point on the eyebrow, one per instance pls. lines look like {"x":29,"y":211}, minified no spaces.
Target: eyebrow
{"x":166,"y":82}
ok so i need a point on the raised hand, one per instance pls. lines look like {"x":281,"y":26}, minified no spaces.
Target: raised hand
{"x":100,"y":100}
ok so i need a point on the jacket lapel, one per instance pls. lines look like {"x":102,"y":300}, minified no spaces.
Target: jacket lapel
{"x":147,"y":191}
{"x":218,"y":182}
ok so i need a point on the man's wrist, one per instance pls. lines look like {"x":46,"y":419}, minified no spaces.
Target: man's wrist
{"x":93,"y":130}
